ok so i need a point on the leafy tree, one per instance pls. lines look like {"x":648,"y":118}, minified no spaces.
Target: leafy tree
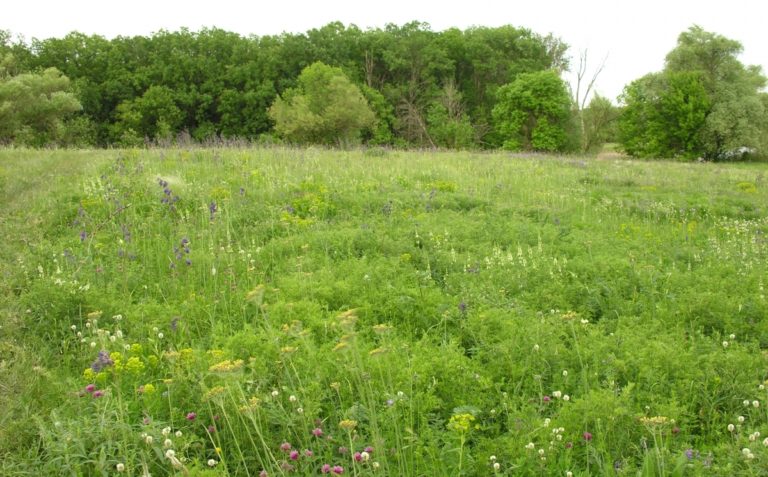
{"x":448,"y":125}
{"x":33,"y":107}
{"x":324,"y":108}
{"x":598,"y":122}
{"x":664,"y":116}
{"x":533,"y":112}
{"x":154,"y":115}
{"x":704,"y":103}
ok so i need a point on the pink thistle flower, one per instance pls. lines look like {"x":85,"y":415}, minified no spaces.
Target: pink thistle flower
{"x":325,"y":468}
{"x":358,"y":457}
{"x":546,"y":399}
{"x":285,"y":446}
{"x":294,"y":455}
{"x":369,"y":450}
{"x":308,"y":453}
{"x":191,"y":416}
{"x":90,"y":388}
{"x":343,"y":450}
{"x":337,"y":469}
{"x":587,"y":436}
{"x":98,"y":394}
{"x":317,"y":432}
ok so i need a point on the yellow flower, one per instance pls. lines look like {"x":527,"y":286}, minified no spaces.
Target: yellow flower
{"x":214,"y":392}
{"x":256,"y":295}
{"x":136,"y":348}
{"x":88,"y":374}
{"x":149,"y":389}
{"x":94,"y":315}
{"x":134,"y":365}
{"x":378,"y":351}
{"x":216,"y":354}
{"x":226,"y":366}
{"x":461,"y":423}
{"x":654,"y":421}
{"x":348,"y":424}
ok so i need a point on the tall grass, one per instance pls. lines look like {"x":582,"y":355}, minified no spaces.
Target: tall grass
{"x":302,"y":311}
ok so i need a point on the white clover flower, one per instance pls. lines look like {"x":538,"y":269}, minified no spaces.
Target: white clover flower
{"x":492,"y":458}
{"x":178,"y":434}
{"x":745,"y":402}
{"x":731,"y":427}
{"x":566,"y":398}
{"x":755,"y":403}
{"x":155,"y":329}
{"x":761,"y":387}
{"x":557,"y":394}
{"x":541,"y":451}
{"x":148,"y":439}
{"x":740,"y":419}
{"x":400,"y":394}
{"x":113,"y":338}
{"x":119,"y":333}
{"x":212,"y":463}
{"x":725,"y":344}
{"x":79,"y":334}
{"x":170,"y":453}
{"x":536,"y":347}
{"x":300,"y":410}
{"x":530,"y":446}
{"x":126,"y":347}
{"x":569,"y":474}
{"x":93,"y":344}
{"x":365,"y":456}
{"x":375,"y":465}
{"x":496,"y":466}
{"x":765,"y":442}
{"x":565,"y":373}
{"x":166,"y":431}
{"x":160,"y":336}
{"x":120,"y":467}
{"x":167,"y":443}
{"x":754,"y":436}
{"x":559,"y":437}
{"x":275,"y":393}
{"x":292,"y":398}
{"x":547,"y":421}
{"x":732,"y":337}
{"x":74,"y":327}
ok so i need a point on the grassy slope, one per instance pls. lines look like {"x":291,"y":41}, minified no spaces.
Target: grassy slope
{"x":473,"y":260}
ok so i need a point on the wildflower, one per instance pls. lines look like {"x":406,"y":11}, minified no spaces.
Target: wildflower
{"x":566,"y":397}
{"x":300,"y":410}
{"x":357,"y":456}
{"x":364,"y":456}
{"x":292,"y":398}
{"x":294,"y":455}
{"x":160,"y":336}
{"x":191,"y":416}
{"x":569,"y":474}
{"x":536,"y":347}
{"x":530,"y":446}
{"x":557,"y":394}
{"x":337,"y":469}
{"x":90,"y":388}
{"x":740,"y":419}
{"x":275,"y":393}
{"x":263,"y":473}
{"x":212,"y":463}
{"x":317,"y":432}
{"x":98,"y":394}
{"x":565,"y":373}
{"x":178,"y":434}
{"x":547,"y":421}
{"x":170,"y":453}
{"x":347,"y":424}
{"x":308,"y":453}
{"x":765,"y":442}
{"x":496,"y":466}
{"x":375,"y":465}
{"x":102,"y":360}
{"x":285,"y":446}
{"x":755,"y":403}
{"x":120,"y":467}
{"x":731,"y":427}
{"x":390,"y":402}
{"x":167,"y":443}
{"x":149,"y":439}
{"x":546,"y":399}
{"x":326,"y":468}
{"x":745,"y":402}
{"x":343,"y":450}
{"x":725,"y":344}
{"x":369,"y":449}
{"x":587,"y":436}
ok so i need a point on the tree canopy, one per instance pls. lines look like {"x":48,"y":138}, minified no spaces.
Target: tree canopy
{"x":705,"y":103}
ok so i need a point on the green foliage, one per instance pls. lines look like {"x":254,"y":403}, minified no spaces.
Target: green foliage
{"x":705,"y":103}
{"x":600,"y":123}
{"x":154,"y":115}
{"x":664,"y":115}
{"x":324,"y":108}
{"x":533,"y":112}
{"x":33,"y":107}
{"x":441,"y":308}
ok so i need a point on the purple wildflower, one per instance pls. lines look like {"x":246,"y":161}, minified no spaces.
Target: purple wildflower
{"x":337,"y":469}
{"x":98,"y":393}
{"x":294,"y":455}
{"x":102,"y":361}
{"x":317,"y":432}
{"x":326,"y":468}
{"x":83,"y":236}
{"x":191,"y":416}
{"x":587,"y":436}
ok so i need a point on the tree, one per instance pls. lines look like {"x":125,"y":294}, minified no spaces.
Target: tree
{"x":598,"y":123}
{"x":154,"y":115}
{"x":533,"y":112}
{"x":325,"y":108}
{"x":447,"y":123}
{"x":33,"y":107}
{"x":705,"y":103}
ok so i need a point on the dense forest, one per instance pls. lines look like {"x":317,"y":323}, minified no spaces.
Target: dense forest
{"x":403,"y":86}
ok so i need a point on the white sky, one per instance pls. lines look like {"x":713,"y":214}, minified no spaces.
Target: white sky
{"x":634,"y":35}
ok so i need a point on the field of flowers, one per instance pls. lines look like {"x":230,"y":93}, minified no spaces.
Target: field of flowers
{"x":277,"y":312}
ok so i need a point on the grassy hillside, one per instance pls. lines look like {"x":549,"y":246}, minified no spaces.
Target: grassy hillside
{"x":277,"y":311}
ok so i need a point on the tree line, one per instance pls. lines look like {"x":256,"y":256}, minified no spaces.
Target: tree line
{"x":401,"y":85}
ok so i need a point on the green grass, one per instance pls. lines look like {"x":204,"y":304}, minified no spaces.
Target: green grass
{"x":449,"y":311}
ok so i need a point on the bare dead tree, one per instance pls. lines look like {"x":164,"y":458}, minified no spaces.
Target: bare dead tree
{"x":581,"y":101}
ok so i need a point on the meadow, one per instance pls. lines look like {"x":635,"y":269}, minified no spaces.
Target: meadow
{"x":277,"y":311}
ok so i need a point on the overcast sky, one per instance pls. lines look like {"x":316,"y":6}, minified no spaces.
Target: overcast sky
{"x":635,"y":36}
